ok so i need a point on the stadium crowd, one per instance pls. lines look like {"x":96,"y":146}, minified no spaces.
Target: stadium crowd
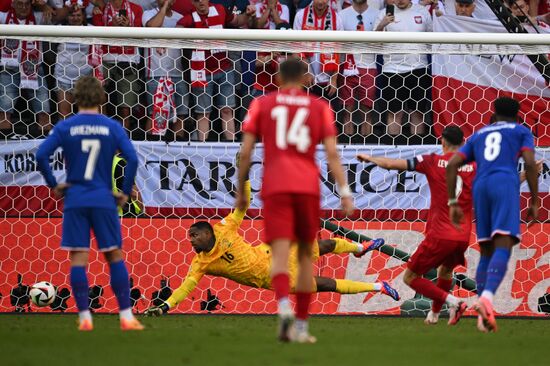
{"x":173,"y":94}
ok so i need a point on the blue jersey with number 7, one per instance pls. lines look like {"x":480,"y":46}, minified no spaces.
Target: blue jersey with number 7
{"x":496,"y":148}
{"x":89,"y":142}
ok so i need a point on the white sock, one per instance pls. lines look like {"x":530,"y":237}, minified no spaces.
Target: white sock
{"x":377,"y":286}
{"x":126,"y":314}
{"x":85,"y":315}
{"x":488,"y":295}
{"x":452,"y":300}
{"x":301,"y":326}
{"x":284,"y":306}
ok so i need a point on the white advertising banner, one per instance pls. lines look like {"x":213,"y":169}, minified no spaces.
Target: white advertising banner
{"x":203,"y":175}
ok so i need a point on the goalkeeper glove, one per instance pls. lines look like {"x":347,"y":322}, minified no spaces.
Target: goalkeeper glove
{"x":157,"y":310}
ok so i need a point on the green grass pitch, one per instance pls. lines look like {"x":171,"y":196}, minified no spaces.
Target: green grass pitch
{"x":210,"y":340}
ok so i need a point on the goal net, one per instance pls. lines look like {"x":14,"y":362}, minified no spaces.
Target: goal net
{"x":168,"y":109}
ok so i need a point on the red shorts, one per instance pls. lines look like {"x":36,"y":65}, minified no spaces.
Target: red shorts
{"x":359,"y":87}
{"x":291,"y":216}
{"x":432,"y":253}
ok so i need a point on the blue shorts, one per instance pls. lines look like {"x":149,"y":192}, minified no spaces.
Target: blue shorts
{"x":77,"y":223}
{"x":496,"y":202}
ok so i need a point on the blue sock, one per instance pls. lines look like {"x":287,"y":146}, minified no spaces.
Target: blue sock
{"x":120,"y":283}
{"x":481,"y":273}
{"x":497,"y":269}
{"x":79,"y":285}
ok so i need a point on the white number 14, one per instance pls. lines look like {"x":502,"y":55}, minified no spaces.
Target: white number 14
{"x":297,"y":134}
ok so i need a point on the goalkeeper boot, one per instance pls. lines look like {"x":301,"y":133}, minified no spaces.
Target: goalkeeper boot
{"x":85,"y":325}
{"x":485,"y":309}
{"x":456,"y":312}
{"x":432,"y":318}
{"x":389,"y":291}
{"x":368,"y":246}
{"x":130,"y":324}
{"x":303,"y":337}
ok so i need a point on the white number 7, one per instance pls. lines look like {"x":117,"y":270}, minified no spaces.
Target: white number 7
{"x":297,"y":134}
{"x":91,"y":146}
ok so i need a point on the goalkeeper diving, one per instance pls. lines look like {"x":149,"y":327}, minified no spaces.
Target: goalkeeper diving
{"x":222,"y":252}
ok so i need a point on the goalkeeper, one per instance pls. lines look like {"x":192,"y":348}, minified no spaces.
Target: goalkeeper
{"x":222,"y":252}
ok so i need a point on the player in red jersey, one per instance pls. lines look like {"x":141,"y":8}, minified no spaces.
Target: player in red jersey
{"x":291,"y":125}
{"x":444,"y":244}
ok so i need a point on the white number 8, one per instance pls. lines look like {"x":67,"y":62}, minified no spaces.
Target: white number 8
{"x":492,"y":146}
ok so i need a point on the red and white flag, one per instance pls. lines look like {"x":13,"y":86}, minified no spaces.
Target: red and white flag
{"x":465,"y":85}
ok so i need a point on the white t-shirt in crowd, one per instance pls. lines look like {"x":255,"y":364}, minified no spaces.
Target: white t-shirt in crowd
{"x":482,"y":10}
{"x":350,"y":21}
{"x":284,"y":15}
{"x":163,"y":61}
{"x":315,"y":67}
{"x":413,"y":19}
{"x":72,"y":62}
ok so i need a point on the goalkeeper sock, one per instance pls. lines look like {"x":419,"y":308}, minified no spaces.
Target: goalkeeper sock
{"x":496,"y":269}
{"x":445,"y":285}
{"x":344,"y":246}
{"x":428,"y":289}
{"x":354,"y":287}
{"x":303,"y":299}
{"x":79,"y":285}
{"x":481,"y":273}
{"x":120,"y":284}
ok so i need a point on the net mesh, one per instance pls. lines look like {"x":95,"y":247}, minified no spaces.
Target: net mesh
{"x":181,"y":179}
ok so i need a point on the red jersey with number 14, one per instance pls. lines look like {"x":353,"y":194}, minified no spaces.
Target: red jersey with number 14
{"x":439,"y":225}
{"x":291,"y":124}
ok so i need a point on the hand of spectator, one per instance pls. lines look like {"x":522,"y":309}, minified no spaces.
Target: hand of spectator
{"x":387,"y":20}
{"x":38,"y":2}
{"x":166,"y":4}
{"x":272,"y":4}
{"x":97,"y":11}
{"x":544,"y":18}
{"x":250,"y":11}
{"x":60,"y":189}
{"x":122,"y":21}
{"x":48,"y":14}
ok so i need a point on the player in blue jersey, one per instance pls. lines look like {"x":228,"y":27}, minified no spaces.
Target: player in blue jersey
{"x":496,"y":149}
{"x":90,"y":141}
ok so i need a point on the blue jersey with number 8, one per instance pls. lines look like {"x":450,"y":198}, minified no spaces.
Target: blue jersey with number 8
{"x":89,"y":142}
{"x":496,"y":148}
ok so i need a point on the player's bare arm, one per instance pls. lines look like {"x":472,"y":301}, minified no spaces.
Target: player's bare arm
{"x":337,"y":171}
{"x":455,"y":212}
{"x":245,"y":159}
{"x":383,"y":162}
{"x":531,"y":174}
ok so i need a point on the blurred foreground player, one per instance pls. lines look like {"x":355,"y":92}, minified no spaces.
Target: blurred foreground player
{"x":90,"y":141}
{"x":291,"y":124}
{"x":444,"y":245}
{"x":496,"y":149}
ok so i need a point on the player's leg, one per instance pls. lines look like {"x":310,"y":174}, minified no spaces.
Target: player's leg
{"x":76,"y":238}
{"x":325,"y":284}
{"x":106,"y":226}
{"x":486,"y":250}
{"x":444,"y":282}
{"x":340,"y":246}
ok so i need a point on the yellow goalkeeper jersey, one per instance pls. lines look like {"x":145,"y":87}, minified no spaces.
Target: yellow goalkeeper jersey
{"x":231,"y":257}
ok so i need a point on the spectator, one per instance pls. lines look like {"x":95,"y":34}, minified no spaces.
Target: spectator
{"x":406,"y":79}
{"x":23,"y":70}
{"x":359,"y":71}
{"x":521,"y":10}
{"x":212,"y":74}
{"x":120,"y":62}
{"x":184,"y":7}
{"x":267,"y":66}
{"x":73,"y":61}
{"x":271,"y":13}
{"x":481,"y":11}
{"x":465,"y":8}
{"x":324,"y":66}
{"x":165,"y":81}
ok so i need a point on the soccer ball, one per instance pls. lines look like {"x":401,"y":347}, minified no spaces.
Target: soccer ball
{"x":42,"y":294}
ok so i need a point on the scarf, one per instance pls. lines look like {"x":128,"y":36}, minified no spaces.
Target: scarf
{"x":163,"y":106}
{"x":23,"y":54}
{"x":328,"y":61}
{"x":109,"y":14}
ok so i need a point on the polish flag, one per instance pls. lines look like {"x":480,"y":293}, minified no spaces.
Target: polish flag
{"x":465,"y":85}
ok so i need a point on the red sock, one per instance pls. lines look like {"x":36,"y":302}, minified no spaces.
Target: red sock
{"x":281,"y":285}
{"x":428,"y":289}
{"x":303,"y":299}
{"x":445,"y":285}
